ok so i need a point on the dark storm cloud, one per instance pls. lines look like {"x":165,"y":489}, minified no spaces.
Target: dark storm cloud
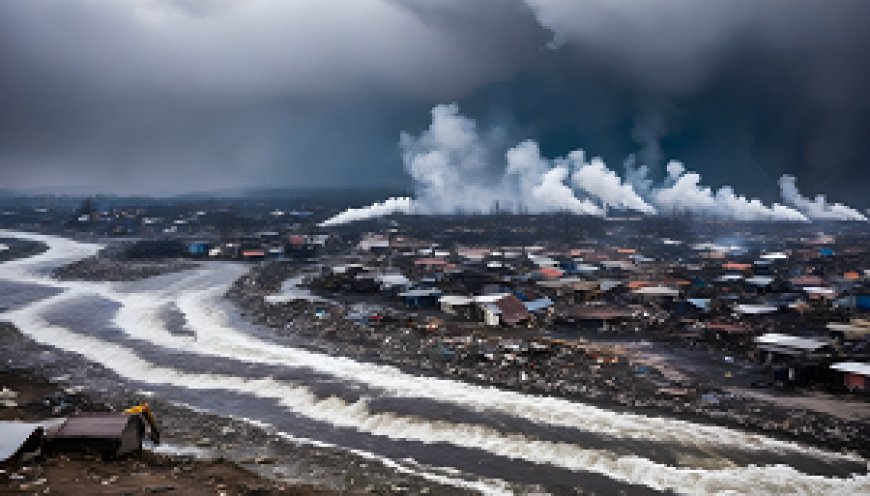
{"x":178,"y":95}
{"x":742,"y":90}
{"x":172,"y":95}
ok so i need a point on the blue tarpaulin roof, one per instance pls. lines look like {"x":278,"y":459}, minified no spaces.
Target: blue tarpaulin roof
{"x":539,"y":304}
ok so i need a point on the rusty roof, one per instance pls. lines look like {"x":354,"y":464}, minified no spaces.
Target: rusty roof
{"x":550,"y":272}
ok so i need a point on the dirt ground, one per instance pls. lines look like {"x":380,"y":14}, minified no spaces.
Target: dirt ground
{"x":145,"y":473}
{"x":141,"y":473}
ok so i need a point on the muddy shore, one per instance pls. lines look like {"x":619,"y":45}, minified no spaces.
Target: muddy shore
{"x":14,"y":248}
{"x":106,"y":267}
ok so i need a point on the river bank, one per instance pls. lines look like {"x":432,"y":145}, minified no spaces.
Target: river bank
{"x":113,"y":264}
{"x":14,"y":248}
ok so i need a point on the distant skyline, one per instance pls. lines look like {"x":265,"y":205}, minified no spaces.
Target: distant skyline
{"x":176,"y":96}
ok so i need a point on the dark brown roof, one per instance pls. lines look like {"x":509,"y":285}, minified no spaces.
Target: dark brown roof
{"x":595,"y":312}
{"x":96,"y":425}
{"x":807,"y":281}
{"x":512,"y":309}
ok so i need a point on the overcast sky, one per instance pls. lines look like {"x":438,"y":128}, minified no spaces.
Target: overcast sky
{"x":171,"y":96}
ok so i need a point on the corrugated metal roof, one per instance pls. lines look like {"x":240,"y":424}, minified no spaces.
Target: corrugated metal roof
{"x":539,"y":304}
{"x":787,"y":341}
{"x":657,"y":291}
{"x":456,"y":300}
{"x":492,"y":308}
{"x":849,"y":328}
{"x":420,"y":293}
{"x":774,"y":256}
{"x":853,"y":368}
{"x":13,"y":435}
{"x":751,"y":309}
{"x":760,"y":280}
{"x":51,"y":425}
{"x":393,"y":279}
{"x":489,"y":298}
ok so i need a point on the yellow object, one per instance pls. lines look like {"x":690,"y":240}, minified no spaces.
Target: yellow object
{"x":145,"y":411}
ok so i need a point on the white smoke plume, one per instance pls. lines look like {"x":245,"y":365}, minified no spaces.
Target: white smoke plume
{"x":542,"y":185}
{"x":597,"y":180}
{"x":448,"y":163}
{"x":451,"y":164}
{"x":818,"y":209}
{"x":400,"y":205}
{"x":456,"y":169}
{"x":683,"y":193}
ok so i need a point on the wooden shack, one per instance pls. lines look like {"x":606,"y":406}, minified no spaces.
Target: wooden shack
{"x":110,"y":434}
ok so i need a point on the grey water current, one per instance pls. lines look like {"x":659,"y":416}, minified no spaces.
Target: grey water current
{"x":174,"y":335}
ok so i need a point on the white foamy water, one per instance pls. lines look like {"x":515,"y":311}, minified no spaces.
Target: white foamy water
{"x":441,"y":475}
{"x":196,"y":294}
